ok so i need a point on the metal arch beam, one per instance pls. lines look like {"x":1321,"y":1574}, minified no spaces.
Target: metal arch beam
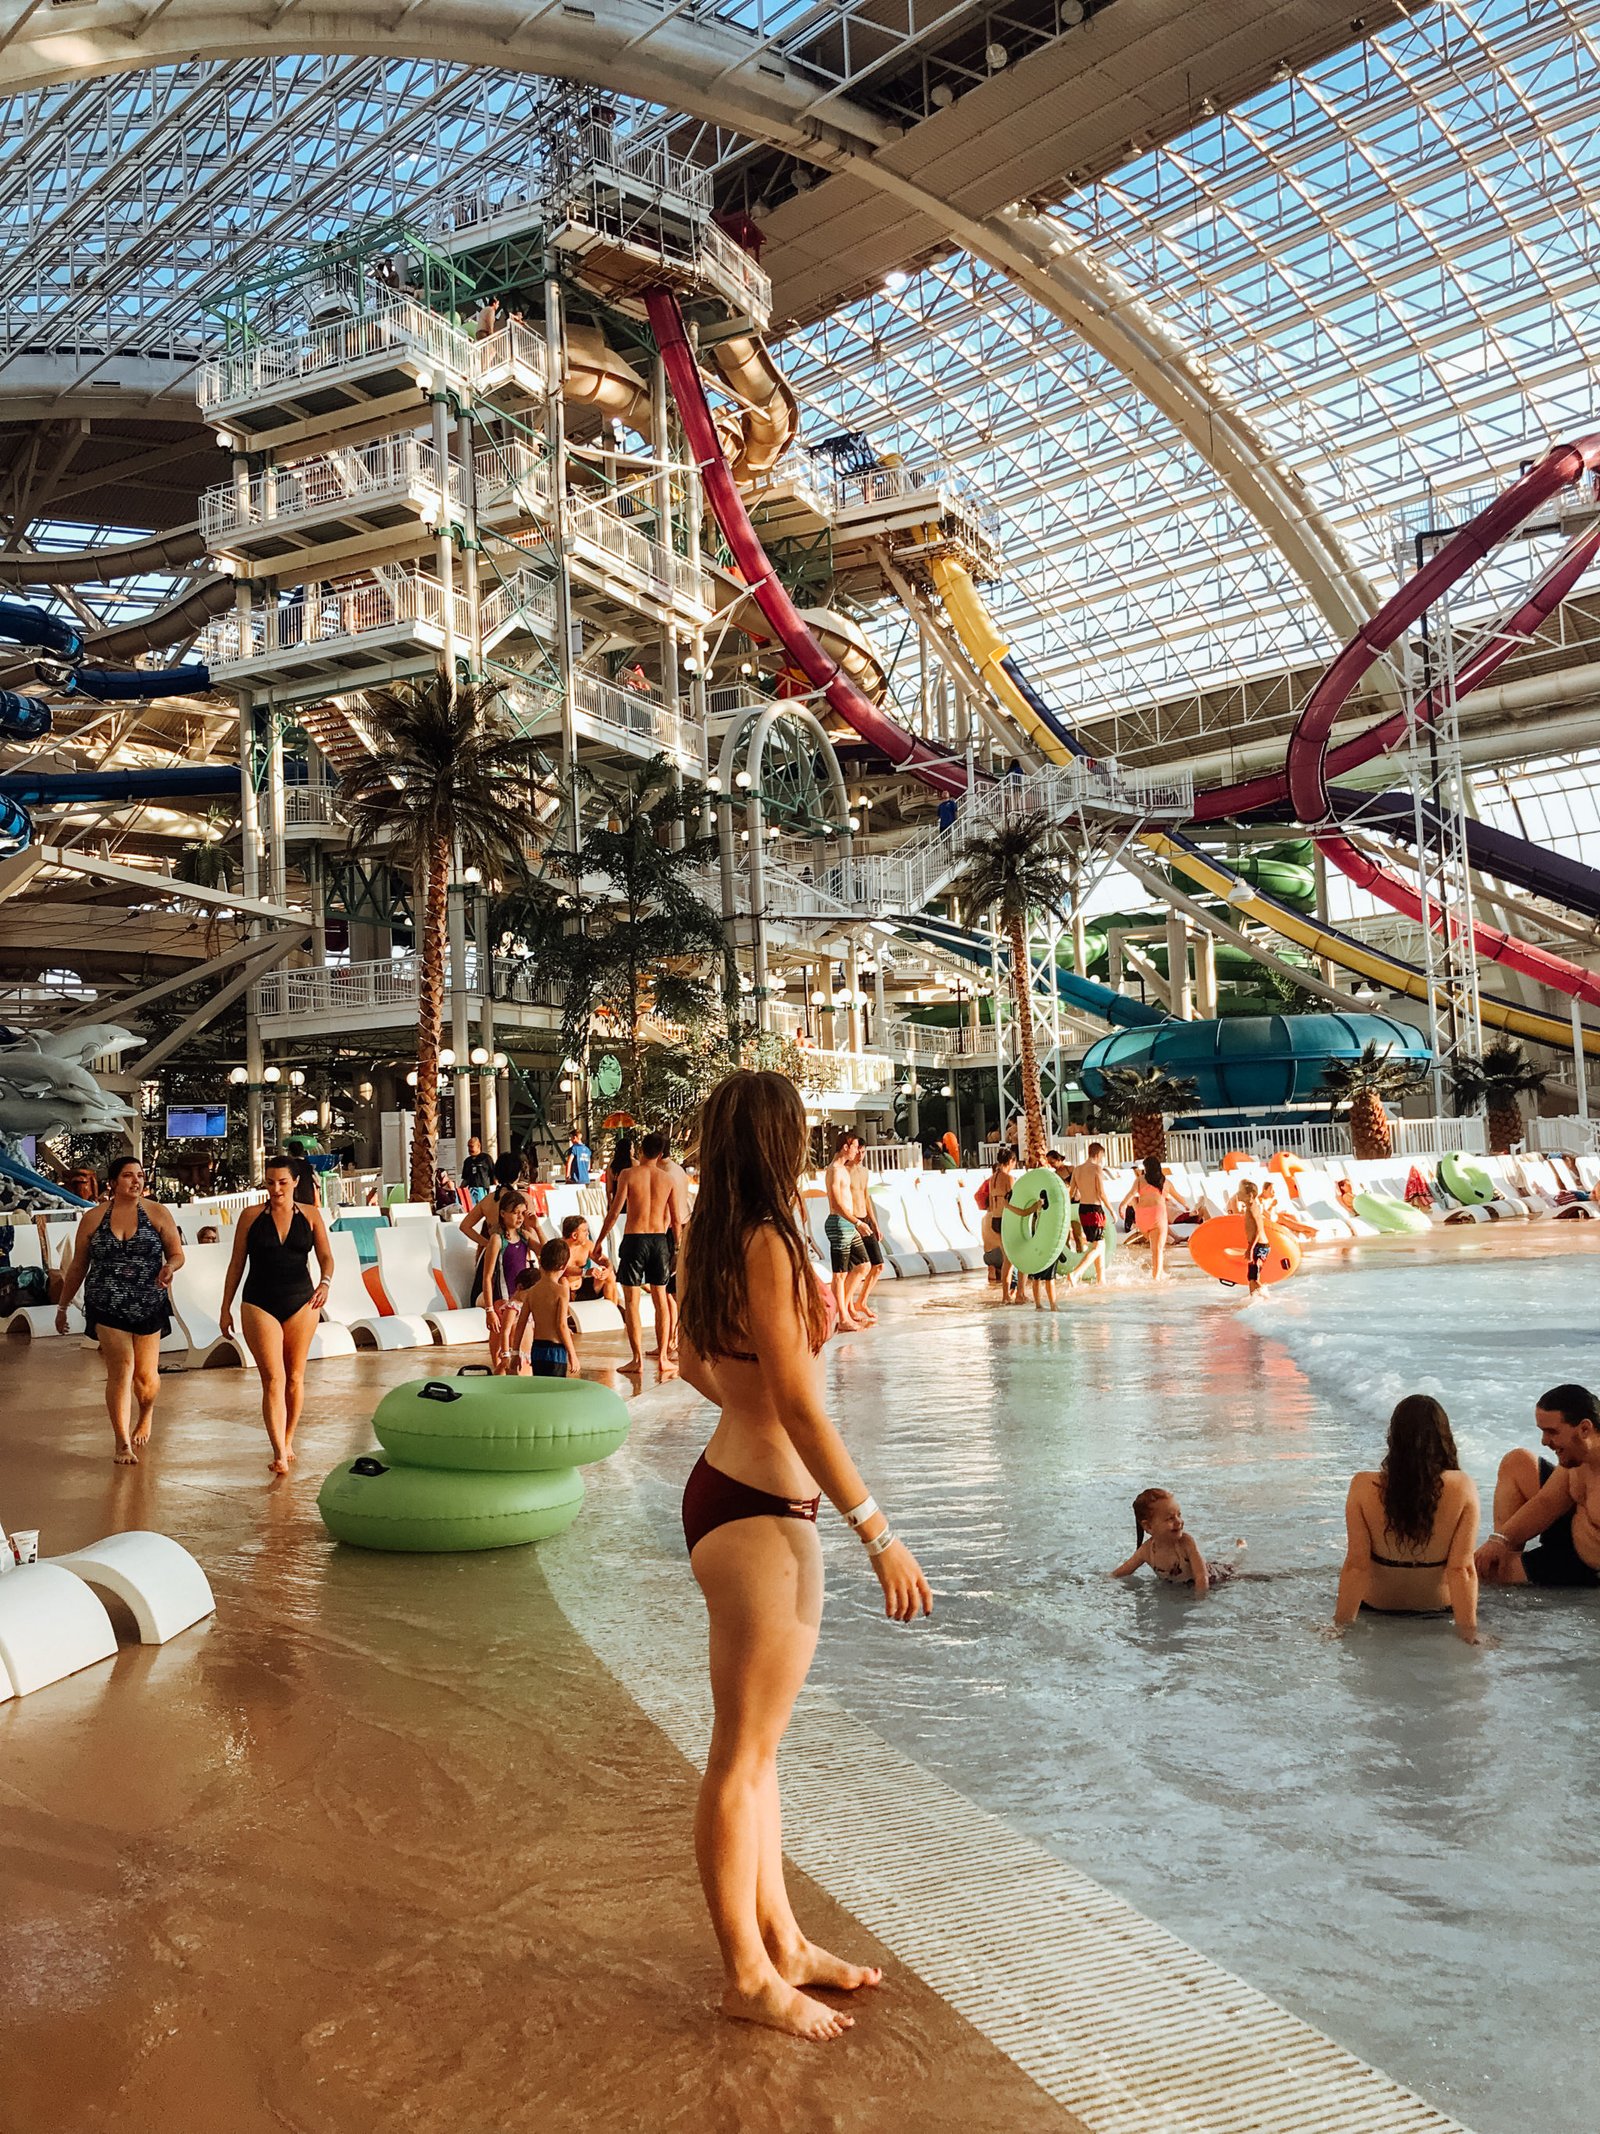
{"x":713,"y":72}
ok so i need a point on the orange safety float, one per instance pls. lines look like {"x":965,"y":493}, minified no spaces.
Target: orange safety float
{"x":1218,"y":1248}
{"x":1287,"y":1166}
{"x":1237,"y":1159}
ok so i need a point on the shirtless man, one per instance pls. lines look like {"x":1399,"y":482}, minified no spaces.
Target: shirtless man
{"x":865,"y":1218}
{"x":846,"y":1252}
{"x":644,"y":1197}
{"x":1554,"y":1504}
{"x":1091,"y":1197}
{"x":674,"y":1170}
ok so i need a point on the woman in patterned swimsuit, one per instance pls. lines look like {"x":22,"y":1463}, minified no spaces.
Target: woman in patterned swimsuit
{"x":125,"y":1255}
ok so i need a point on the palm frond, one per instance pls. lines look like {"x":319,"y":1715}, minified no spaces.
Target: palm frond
{"x":1374,"y":1072}
{"x":1503,"y":1074}
{"x":1017,"y":867}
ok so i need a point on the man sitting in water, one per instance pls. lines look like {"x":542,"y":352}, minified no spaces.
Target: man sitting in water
{"x":1553,"y":1503}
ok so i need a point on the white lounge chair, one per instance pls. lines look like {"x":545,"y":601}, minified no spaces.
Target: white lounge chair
{"x":909,"y":1208}
{"x":351,"y":1305}
{"x":405,"y":1271}
{"x":160,"y":1582}
{"x":51,"y":1625}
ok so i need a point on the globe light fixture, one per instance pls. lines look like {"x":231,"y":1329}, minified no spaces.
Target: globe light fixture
{"x":297,"y":1079}
{"x":479,"y":1056}
{"x":447,"y":1057}
{"x":238,"y":1076}
{"x":411,"y":1079}
{"x":499,"y":1062}
{"x":272,"y":1074}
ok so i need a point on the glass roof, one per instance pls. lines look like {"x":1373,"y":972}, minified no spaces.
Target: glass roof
{"x":1387,"y":262}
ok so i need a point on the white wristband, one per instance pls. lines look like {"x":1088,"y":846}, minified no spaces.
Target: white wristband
{"x":880,"y":1542}
{"x":862,"y":1513}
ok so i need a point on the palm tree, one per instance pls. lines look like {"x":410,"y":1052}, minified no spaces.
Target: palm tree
{"x":1141,"y":1100}
{"x":1497,"y":1081}
{"x":1016,"y":868}
{"x":1362,"y":1087}
{"x":451,"y":786}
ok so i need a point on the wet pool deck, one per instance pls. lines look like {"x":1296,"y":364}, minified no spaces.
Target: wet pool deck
{"x":382,"y":1845}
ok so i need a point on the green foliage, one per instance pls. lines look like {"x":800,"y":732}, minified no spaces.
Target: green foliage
{"x":643,"y":947}
{"x":449,"y":774}
{"x":1374,"y":1073}
{"x":1016,"y":867}
{"x":1131,"y":1093}
{"x":1498,"y":1079}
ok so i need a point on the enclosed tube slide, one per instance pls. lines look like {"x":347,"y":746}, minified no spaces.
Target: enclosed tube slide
{"x":945,"y":773}
{"x":1074,"y":992}
{"x":1055,"y":740}
{"x":184,"y":615}
{"x":769,"y":416}
{"x":131,"y":685}
{"x":28,"y":625}
{"x":104,"y":566}
{"x":56,"y":789}
{"x":1516,"y":860}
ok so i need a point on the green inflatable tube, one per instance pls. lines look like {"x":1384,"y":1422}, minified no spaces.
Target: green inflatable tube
{"x":430,"y":1510}
{"x":1035,"y":1241}
{"x":1464,"y":1182}
{"x":1392,"y":1216}
{"x":500,"y":1425}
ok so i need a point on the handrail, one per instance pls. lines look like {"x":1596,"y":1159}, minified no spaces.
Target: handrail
{"x":396,"y":323}
{"x":316,"y":614}
{"x":386,"y":467}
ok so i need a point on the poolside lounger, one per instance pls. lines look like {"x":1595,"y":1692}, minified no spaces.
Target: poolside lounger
{"x":944,"y":1202}
{"x":156,"y":1579}
{"x":51,"y":1625}
{"x":197,"y":1307}
{"x":900,"y":1248}
{"x":456,"y":1257}
{"x":906,"y":1208}
{"x":350,"y":1305}
{"x":406,"y":1276}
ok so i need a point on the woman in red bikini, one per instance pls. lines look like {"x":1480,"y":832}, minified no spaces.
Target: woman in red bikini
{"x":753,"y":1319}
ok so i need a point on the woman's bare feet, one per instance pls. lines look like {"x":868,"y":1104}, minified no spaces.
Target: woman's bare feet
{"x":811,"y":1965}
{"x":141,"y":1437}
{"x":124,"y":1455}
{"x":777,"y":2005}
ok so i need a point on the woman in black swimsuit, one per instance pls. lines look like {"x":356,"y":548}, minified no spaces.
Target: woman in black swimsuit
{"x":281,"y":1307}
{"x":125,"y":1254}
{"x":754,"y":1317}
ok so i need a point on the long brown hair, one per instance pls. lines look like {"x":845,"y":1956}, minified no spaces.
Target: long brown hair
{"x":1143,"y":1508}
{"x":754,"y":1145}
{"x":1422,"y":1449}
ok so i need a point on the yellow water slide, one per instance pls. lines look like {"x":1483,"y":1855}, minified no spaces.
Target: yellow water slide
{"x":988,"y":651}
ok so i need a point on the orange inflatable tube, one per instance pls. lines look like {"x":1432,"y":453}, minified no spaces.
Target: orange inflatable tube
{"x":1287,"y":1166}
{"x":1236,"y":1159}
{"x":1218,"y":1249}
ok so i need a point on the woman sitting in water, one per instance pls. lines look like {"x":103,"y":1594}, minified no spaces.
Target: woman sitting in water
{"x":1167,"y":1546}
{"x":1412,"y":1526}
{"x":754,"y":1321}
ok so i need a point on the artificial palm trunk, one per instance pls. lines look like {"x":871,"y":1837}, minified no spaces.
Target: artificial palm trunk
{"x":430,"y":1010}
{"x":1369,"y":1129}
{"x":1032,"y":1101}
{"x":1149,"y":1131}
{"x":1505,"y":1127}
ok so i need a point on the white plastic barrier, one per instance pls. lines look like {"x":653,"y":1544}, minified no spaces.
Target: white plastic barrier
{"x":51,"y":1625}
{"x":160,"y":1583}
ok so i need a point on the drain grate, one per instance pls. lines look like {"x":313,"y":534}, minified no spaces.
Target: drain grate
{"x":1123,"y":2024}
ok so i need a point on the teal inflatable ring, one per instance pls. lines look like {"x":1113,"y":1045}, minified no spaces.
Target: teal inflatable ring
{"x":1464,"y":1182}
{"x":1036,"y":1241}
{"x":500,"y":1425}
{"x":429,"y":1510}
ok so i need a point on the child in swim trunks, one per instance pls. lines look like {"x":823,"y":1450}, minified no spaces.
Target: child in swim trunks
{"x":1167,"y":1546}
{"x":544,"y":1319}
{"x":1256,"y":1243}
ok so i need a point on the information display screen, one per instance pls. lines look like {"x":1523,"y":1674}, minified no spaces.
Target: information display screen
{"x":197,"y":1122}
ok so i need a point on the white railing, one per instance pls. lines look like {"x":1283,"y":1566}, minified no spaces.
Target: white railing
{"x":942,"y":1047}
{"x":1206,"y":1146}
{"x":317,"y":615}
{"x":802,"y":474}
{"x":635,"y":712}
{"x":898,"y":1156}
{"x":314,"y":804}
{"x":525,"y":596}
{"x":354,"y":988}
{"x":512,"y":349}
{"x":861,"y":1073}
{"x":1572,"y":1137}
{"x":1434,"y":1137}
{"x":895,"y":485}
{"x":663,"y":573}
{"x":603,"y":152}
{"x":750,"y":282}
{"x":515,"y":471}
{"x":399,"y":325}
{"x":393,"y":466}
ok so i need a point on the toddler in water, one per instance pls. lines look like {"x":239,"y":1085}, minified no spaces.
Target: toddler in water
{"x":1171,"y":1552}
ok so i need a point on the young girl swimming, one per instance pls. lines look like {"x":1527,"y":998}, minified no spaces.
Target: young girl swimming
{"x":1170,"y":1551}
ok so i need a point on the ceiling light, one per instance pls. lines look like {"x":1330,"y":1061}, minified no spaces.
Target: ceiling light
{"x":943,"y":95}
{"x":895,"y":281}
{"x":996,"y":56}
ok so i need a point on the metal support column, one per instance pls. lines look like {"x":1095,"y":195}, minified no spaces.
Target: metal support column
{"x":460,"y":1017}
{"x":445,"y":549}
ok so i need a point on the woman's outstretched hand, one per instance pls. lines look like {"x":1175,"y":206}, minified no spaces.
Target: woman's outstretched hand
{"x":906,"y":1593}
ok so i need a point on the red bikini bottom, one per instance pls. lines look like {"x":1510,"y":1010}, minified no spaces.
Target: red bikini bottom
{"x":712,"y":1499}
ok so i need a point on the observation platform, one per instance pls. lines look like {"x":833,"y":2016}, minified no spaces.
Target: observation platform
{"x":366,"y":504}
{"x":321,"y":640}
{"x":352,"y":997}
{"x":917,"y":512}
{"x":614,"y":721}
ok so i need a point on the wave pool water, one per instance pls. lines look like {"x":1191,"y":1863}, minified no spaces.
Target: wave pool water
{"x":1388,"y":1832}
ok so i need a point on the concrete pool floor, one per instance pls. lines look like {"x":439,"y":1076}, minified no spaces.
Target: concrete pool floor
{"x":385,"y":1845}
{"x":382,"y":1845}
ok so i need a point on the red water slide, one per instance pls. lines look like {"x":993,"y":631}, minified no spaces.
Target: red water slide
{"x":1310,"y":758}
{"x":946,"y":773}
